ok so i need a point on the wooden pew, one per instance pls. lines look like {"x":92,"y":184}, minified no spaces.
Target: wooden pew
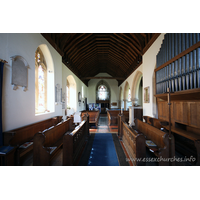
{"x":113,"y":116}
{"x":47,"y":143}
{"x":187,"y":140}
{"x":74,"y":142}
{"x":134,"y":143}
{"x":121,"y":117}
{"x":158,"y":123}
{"x":22,"y":138}
{"x":164,"y":150}
{"x":93,"y":116}
{"x":86,"y":117}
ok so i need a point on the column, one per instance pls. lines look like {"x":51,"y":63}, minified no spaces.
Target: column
{"x":131,"y":116}
{"x":125,"y":103}
{"x":119,"y":104}
{"x":131,"y":112}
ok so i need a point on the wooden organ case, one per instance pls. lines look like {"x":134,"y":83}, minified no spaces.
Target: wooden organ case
{"x":178,"y":68}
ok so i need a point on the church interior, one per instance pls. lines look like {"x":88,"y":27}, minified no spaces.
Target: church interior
{"x":135,"y":96}
{"x":99,"y":99}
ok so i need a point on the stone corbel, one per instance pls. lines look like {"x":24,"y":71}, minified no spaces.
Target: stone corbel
{"x":24,"y":88}
{"x":14,"y":87}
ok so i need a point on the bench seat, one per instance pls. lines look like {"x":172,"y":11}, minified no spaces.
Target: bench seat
{"x":19,"y":137}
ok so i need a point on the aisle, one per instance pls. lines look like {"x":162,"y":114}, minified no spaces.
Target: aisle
{"x":103,"y":151}
{"x":103,"y":126}
{"x":103,"y":147}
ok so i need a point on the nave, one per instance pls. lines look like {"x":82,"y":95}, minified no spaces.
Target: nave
{"x":102,"y":149}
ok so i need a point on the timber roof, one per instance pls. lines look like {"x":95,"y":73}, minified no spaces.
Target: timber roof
{"x":88,"y":54}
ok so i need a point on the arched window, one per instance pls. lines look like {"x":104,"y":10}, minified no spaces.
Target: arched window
{"x":40,"y":82}
{"x":71,"y":95}
{"x":67,"y":94}
{"x":102,"y":92}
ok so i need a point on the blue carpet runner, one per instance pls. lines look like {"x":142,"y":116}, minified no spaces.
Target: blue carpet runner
{"x":103,"y":151}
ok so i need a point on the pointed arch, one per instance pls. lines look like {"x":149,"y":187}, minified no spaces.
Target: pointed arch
{"x":107,"y":90}
{"x":71,"y":94}
{"x":126,"y":95}
{"x":120,"y":98}
{"x":137,"y":86}
{"x":44,"y":80}
{"x":126,"y":90}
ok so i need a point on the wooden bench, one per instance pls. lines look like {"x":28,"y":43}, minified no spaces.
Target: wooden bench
{"x":47,"y":143}
{"x":93,"y":116}
{"x":121,"y":117}
{"x":22,"y":138}
{"x":74,"y":142}
{"x":187,"y":140}
{"x":158,"y":123}
{"x":113,"y":116}
{"x":134,"y":143}
{"x":163,"y":150}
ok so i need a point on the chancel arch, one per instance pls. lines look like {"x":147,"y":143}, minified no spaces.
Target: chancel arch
{"x":71,"y":95}
{"x":44,"y":80}
{"x":137,"y":89}
{"x":103,"y":95}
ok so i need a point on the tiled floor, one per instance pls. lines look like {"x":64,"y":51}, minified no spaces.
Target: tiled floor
{"x":103,"y":126}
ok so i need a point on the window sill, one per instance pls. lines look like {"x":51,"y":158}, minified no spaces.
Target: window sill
{"x":38,"y":114}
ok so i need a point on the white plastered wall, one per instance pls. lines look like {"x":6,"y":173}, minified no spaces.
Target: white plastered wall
{"x":79,"y":84}
{"x":113,"y":84}
{"x":149,"y":64}
{"x":147,"y":69}
{"x":18,"y":107}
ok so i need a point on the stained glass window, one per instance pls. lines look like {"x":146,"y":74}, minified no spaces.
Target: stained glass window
{"x":40,"y":83}
{"x":41,"y":89}
{"x":102,"y":92}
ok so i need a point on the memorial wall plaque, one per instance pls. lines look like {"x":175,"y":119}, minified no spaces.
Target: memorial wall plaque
{"x":19,"y":73}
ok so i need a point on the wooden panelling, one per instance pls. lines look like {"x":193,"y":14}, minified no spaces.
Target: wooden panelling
{"x":178,"y":112}
{"x":194,"y":114}
{"x":183,"y":112}
{"x":160,"y":110}
{"x":187,"y":95}
{"x":163,"y":111}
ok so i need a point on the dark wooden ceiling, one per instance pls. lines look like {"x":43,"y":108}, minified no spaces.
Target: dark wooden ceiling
{"x":87,"y":54}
